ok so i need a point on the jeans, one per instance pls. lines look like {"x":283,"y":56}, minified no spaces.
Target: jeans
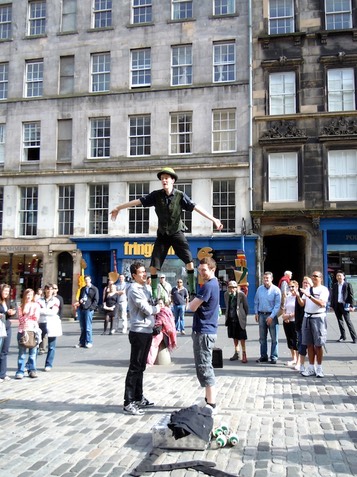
{"x":85,"y":323}
{"x":140,"y":347}
{"x":263,"y":335}
{"x":4,"y":350}
{"x":179,"y":313}
{"x":21,"y":361}
{"x":51,"y":352}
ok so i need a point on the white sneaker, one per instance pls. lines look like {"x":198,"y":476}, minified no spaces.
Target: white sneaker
{"x":89,"y":345}
{"x":291,"y":363}
{"x":310,"y":371}
{"x":214,"y":410}
{"x":319,"y":372}
{"x":300,"y":368}
{"x":133,"y":409}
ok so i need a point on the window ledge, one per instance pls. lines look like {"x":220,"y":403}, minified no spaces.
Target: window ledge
{"x":324,"y":34}
{"x":34,"y":37}
{"x":136,"y":25}
{"x":223,"y":16}
{"x":181,"y":20}
{"x":93,"y":30}
{"x":295,"y":37}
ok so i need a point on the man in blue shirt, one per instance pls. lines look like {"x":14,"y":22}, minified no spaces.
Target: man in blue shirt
{"x":267,"y":302}
{"x":204,"y":328}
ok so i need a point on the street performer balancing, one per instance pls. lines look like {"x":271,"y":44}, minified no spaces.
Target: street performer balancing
{"x":169,"y":204}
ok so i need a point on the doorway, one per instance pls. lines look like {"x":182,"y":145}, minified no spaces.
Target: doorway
{"x":65,"y":276}
{"x":284,"y":252}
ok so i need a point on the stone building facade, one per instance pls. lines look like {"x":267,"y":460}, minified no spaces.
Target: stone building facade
{"x":305,"y":135}
{"x":95,"y":97}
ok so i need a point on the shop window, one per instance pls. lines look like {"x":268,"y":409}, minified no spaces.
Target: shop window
{"x":342,"y":175}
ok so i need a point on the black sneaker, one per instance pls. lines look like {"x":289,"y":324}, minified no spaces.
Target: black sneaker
{"x":273,"y":361}
{"x":133,"y":409}
{"x":144,"y":402}
{"x":262,"y":360}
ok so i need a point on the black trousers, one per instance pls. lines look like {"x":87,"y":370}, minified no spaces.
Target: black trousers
{"x":140,"y":347}
{"x":342,"y":314}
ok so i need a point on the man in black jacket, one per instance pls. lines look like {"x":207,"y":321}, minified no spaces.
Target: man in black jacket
{"x":88,"y":302}
{"x":342,"y":303}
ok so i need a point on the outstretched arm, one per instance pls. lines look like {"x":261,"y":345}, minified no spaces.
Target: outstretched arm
{"x":216,"y":222}
{"x":126,"y":205}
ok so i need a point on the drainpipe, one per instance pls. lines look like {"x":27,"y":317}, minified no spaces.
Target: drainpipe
{"x":250,"y":105}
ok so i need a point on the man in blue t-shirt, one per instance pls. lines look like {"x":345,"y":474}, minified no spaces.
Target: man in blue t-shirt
{"x":204,"y":328}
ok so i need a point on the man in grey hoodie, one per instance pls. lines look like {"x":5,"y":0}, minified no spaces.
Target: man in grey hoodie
{"x":142,"y":320}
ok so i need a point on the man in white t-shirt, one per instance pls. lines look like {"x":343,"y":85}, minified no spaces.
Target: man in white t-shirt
{"x":314,"y":325}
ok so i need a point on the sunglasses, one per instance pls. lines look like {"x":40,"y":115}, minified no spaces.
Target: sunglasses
{"x":315,"y":276}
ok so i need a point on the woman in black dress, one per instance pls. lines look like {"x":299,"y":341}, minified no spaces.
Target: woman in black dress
{"x":236,"y":318}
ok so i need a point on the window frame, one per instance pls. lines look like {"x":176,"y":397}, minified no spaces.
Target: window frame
{"x":186,"y":216}
{"x":140,"y":142}
{"x":284,"y":179}
{"x":181,"y":10}
{"x":6,"y":22}
{"x":181,"y":64}
{"x":342,"y":175}
{"x":4,"y":80}
{"x":28,"y":197}
{"x":141,"y":9}
{"x":66,"y":77}
{"x":37,"y":15}
{"x":284,"y":95}
{"x":34,"y":78}
{"x":227,"y":66}
{"x":224,"y":209}
{"x":139,"y":216}
{"x":181,"y":141}
{"x":68,"y":16}
{"x":1,"y":209}
{"x":224,"y":4}
{"x":64,"y":140}
{"x":140,"y":68}
{"x":102,"y":16}
{"x":31,"y":140}
{"x":331,"y":17}
{"x":341,"y":91}
{"x":65,"y":211}
{"x":99,"y":141}
{"x":98,"y":214}
{"x":2,"y":142}
{"x":100,"y":72}
{"x":218,"y":135}
{"x":287,"y":28}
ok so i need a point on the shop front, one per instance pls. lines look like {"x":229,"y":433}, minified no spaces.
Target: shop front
{"x":101,"y":256}
{"x":340,"y":249}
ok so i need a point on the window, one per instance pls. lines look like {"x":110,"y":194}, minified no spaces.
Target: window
{"x":66,"y":83}
{"x":186,"y":216}
{"x":224,"y":62}
{"x":283,"y":177}
{"x":100,"y":72}
{"x":102,"y":13}
{"x":34,"y":79}
{"x":5,"y":22}
{"x":64,"y":140}
{"x":142,"y":11}
{"x":138,"y":216}
{"x":342,"y":175}
{"x":2,"y":143}
{"x":224,"y":204}
{"x":282,"y":96}
{"x":141,"y":68}
{"x":28,"y":210}
{"x":4,"y":80}
{"x":32,"y":141}
{"x":1,"y":207}
{"x":140,"y":135}
{"x":181,"y":65}
{"x":224,"y":132}
{"x":37,"y":18}
{"x":281,"y":16}
{"x":99,"y":137}
{"x":182,"y":9}
{"x":98,"y":209}
{"x":338,"y":14}
{"x":181,"y":133}
{"x":65,"y":210}
{"x":69,"y":15}
{"x":224,"y":7}
{"x":341,"y":89}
